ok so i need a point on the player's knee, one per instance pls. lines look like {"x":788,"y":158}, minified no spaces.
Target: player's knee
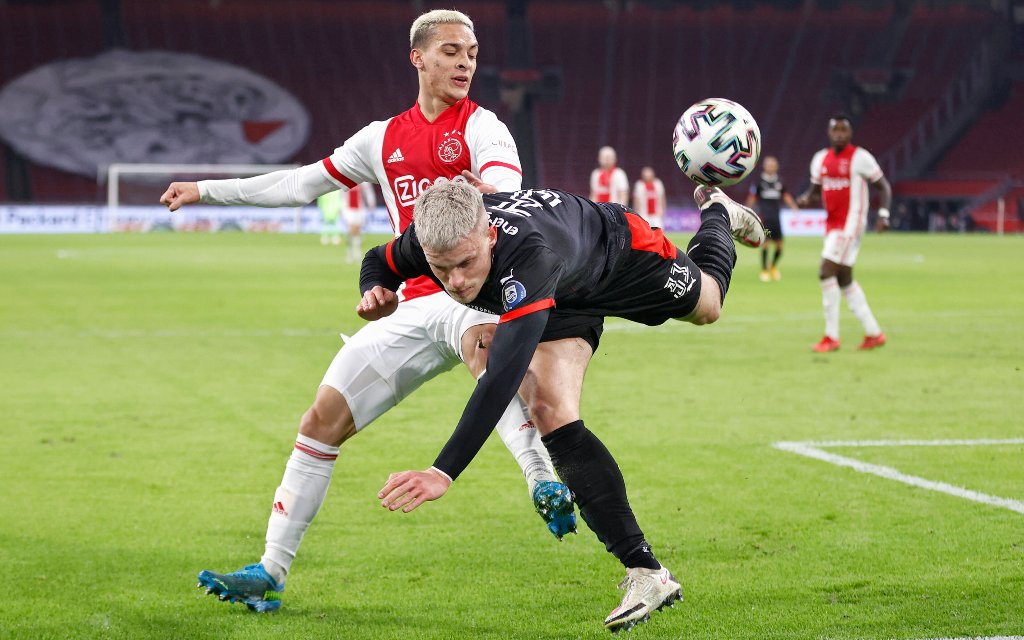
{"x":707,"y":314}
{"x":475,"y":343}
{"x":548,"y":415}
{"x":328,"y":423}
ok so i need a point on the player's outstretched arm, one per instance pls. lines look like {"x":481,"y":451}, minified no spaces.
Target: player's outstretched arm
{"x":179,"y":194}
{"x":409,"y":489}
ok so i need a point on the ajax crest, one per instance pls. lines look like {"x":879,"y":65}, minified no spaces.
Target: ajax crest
{"x":450,"y":149}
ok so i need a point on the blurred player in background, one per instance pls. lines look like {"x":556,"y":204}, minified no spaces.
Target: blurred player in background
{"x":608,"y":183}
{"x":767,"y":194}
{"x":443,"y":137}
{"x":355,"y":206}
{"x":840,"y":176}
{"x":329,"y":205}
{"x":649,"y":198}
{"x":524,"y":255}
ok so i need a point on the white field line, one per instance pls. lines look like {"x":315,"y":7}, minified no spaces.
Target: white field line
{"x":812,"y":450}
{"x":910,"y":443}
{"x":981,"y":638}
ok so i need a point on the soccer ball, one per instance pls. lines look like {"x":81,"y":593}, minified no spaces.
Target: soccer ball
{"x":716,"y":142}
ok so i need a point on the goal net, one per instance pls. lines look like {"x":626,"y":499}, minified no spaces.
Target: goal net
{"x":133,"y":192}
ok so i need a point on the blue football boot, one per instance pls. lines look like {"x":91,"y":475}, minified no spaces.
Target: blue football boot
{"x":251,"y":585}
{"x":553,"y":501}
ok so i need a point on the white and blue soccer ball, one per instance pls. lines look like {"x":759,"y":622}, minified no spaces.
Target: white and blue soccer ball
{"x":716,"y":142}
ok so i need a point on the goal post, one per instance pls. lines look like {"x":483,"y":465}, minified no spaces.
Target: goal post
{"x":155,"y":177}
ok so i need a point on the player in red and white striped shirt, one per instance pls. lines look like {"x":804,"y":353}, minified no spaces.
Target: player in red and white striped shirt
{"x":444,"y":136}
{"x":608,"y":183}
{"x":840,"y":176}
{"x":649,"y":198}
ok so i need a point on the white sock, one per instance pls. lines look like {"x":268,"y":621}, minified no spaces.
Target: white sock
{"x":858,"y":303}
{"x":830,"y":303}
{"x":303,"y":488}
{"x":521,"y":438}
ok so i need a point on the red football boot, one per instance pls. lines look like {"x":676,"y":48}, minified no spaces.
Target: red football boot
{"x":827,"y":344}
{"x":872,"y":342}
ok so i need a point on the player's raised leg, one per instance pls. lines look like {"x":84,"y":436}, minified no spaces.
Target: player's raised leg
{"x":552,"y":387}
{"x":712,"y":249}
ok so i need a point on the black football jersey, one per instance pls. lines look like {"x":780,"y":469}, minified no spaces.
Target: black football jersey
{"x":769,"y":191}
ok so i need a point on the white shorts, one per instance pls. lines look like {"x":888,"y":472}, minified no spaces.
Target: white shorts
{"x":841,"y":248}
{"x":390,"y":358}
{"x":354,"y":217}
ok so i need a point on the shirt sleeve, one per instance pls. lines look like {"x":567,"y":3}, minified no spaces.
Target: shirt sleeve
{"x":527,"y":290}
{"x":865,"y":165}
{"x":508,"y":359}
{"x":816,"y":166}
{"x":287,"y":188}
{"x":494,"y":152}
{"x":529,"y":285}
{"x":388,"y":265}
{"x":595,"y":181}
{"x":352,"y":162}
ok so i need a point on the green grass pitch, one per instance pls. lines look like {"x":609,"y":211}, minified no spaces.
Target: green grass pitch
{"x":152,"y":385}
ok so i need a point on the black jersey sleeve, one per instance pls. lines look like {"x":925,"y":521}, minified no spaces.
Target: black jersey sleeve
{"x":508,"y":359}
{"x":529,"y":283}
{"x":391,"y":264}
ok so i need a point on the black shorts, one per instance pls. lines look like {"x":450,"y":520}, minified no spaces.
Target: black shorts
{"x":566,"y":324}
{"x":652,"y":282}
{"x":773,"y":223}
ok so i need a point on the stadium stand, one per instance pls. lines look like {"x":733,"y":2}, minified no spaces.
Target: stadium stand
{"x":627,"y":72}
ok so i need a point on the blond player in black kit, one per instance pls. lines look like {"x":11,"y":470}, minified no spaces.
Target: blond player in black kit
{"x":552,"y":265}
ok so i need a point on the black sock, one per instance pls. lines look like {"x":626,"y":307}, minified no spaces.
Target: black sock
{"x":712,"y":248}
{"x":778,"y":254}
{"x":589,"y":470}
{"x":764,"y":258}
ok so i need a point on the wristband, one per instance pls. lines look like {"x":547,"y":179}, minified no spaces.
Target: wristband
{"x":883,"y":213}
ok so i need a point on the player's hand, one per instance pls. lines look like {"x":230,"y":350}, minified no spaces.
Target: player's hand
{"x":180,"y":194}
{"x":803,"y":200}
{"x":882,"y":224}
{"x":409,"y":489}
{"x":481,"y":186}
{"x":377,"y":303}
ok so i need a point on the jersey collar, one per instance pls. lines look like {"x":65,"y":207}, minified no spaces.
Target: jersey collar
{"x":448,"y":114}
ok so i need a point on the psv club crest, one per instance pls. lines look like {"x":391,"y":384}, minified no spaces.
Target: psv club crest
{"x":450,"y":148}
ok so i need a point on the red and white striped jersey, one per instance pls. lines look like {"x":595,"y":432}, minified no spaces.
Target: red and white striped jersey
{"x":606,"y":183}
{"x":406,"y":154}
{"x":357,"y":199}
{"x":647,"y":197}
{"x":844,"y":179}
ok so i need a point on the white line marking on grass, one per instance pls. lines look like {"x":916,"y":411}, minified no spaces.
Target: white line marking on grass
{"x":911,"y":443}
{"x":981,"y":638}
{"x":812,"y":449}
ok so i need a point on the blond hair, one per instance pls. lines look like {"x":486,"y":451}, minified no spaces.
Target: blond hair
{"x":446,"y":213}
{"x":423,"y":27}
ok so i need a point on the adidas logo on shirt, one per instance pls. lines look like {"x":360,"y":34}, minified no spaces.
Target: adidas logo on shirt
{"x":396,"y":156}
